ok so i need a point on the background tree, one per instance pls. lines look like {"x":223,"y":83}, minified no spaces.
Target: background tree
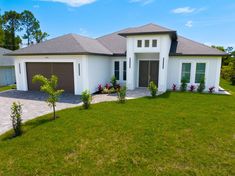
{"x":30,"y":24}
{"x":11,"y":25}
{"x":49,"y":86}
{"x":40,"y":36}
{"x":1,"y":33}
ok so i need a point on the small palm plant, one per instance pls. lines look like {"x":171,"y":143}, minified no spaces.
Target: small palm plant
{"x":152,"y":88}
{"x":49,"y":86}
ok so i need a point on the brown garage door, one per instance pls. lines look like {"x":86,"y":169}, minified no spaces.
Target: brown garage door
{"x":64,"y":71}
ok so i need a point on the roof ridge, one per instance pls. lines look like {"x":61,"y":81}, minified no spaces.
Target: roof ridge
{"x":113,"y":33}
{"x":94,"y":39}
{"x":200,"y":43}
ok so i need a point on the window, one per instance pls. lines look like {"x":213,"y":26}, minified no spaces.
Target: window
{"x":200,"y":72}
{"x":116,"y":69}
{"x":139,"y":43}
{"x":79,"y":70}
{"x":186,"y":71}
{"x":124,"y":71}
{"x":146,"y":43}
{"x":154,"y":43}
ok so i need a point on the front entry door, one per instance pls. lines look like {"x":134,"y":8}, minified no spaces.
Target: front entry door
{"x":148,"y":71}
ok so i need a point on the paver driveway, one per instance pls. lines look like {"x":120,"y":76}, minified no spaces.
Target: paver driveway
{"x":33,"y":105}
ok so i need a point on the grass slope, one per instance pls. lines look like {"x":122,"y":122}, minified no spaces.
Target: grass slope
{"x":4,"y":88}
{"x":174,"y":134}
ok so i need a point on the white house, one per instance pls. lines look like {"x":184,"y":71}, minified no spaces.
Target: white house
{"x":135,"y":56}
{"x":7,"y":71}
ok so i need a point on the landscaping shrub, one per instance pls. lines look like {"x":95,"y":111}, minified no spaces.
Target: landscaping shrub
{"x":201,"y":86}
{"x":183,"y":86}
{"x":100,"y":88}
{"x":227,"y":71}
{"x":192,"y":88}
{"x":86,"y":99}
{"x":152,"y":88}
{"x":233,"y":80}
{"x":122,"y":94}
{"x":107,"y":86}
{"x":49,"y":86}
{"x":174,"y":87}
{"x":16,"y":113}
{"x":113,"y":81}
{"x":211,"y":89}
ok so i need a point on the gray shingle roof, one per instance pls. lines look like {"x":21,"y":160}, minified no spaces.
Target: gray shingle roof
{"x":4,"y":51}
{"x":66,"y":44}
{"x":184,"y":46}
{"x":115,"y":44}
{"x":146,"y":29}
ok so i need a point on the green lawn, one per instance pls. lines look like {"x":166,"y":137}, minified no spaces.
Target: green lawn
{"x":174,"y":134}
{"x":4,"y":88}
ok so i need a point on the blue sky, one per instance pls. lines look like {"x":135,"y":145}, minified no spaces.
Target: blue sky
{"x":206,"y":21}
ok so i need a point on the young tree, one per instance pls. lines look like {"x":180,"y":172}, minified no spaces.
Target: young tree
{"x":30,"y":24}
{"x":11,"y":25}
{"x":16,"y":113}
{"x":49,"y":86}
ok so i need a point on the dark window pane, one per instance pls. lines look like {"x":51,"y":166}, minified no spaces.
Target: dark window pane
{"x":124,"y":70}
{"x":154,"y":44}
{"x":139,"y":43}
{"x":116,"y":69}
{"x":146,"y":43}
{"x":186,"y":71}
{"x":200,"y":72}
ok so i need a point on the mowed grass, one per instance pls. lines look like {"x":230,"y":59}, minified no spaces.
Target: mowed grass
{"x":4,"y":88}
{"x":174,"y":134}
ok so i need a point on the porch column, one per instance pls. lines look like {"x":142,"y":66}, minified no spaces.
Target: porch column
{"x":130,"y":56}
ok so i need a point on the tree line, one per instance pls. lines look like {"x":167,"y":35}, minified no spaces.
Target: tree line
{"x":12,"y":23}
{"x":228,"y":63}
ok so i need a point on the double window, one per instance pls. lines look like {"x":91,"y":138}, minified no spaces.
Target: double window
{"x":199,"y":72}
{"x":117,"y":70}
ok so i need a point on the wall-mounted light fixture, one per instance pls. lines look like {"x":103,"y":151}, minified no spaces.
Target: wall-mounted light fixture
{"x":129,"y":62}
{"x":163,"y":60}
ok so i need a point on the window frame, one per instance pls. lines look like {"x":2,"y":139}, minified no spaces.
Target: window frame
{"x":190,"y":72}
{"x":146,"y":41}
{"x":124,"y":70}
{"x":139,"y":42}
{"x":117,"y":71}
{"x":154,"y":40}
{"x":196,"y":66}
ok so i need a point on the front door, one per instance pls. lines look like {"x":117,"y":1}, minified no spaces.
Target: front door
{"x":148,"y":71}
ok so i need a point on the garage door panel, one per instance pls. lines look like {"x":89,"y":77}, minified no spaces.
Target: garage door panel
{"x":64,"y":71}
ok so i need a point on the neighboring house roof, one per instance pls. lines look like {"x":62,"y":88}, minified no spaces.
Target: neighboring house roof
{"x":66,"y":44}
{"x":187,"y":47}
{"x":4,"y":51}
{"x":115,"y":44}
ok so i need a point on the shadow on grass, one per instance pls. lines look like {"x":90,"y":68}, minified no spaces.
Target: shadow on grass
{"x":26,"y":127}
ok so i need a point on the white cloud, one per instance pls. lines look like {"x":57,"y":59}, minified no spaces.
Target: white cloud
{"x":189,"y":24}
{"x":183,"y":10}
{"x":144,"y":2}
{"x":36,"y":6}
{"x":73,"y":3}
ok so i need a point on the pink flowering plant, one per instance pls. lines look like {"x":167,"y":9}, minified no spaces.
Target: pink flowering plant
{"x":192,"y":88}
{"x":211,"y":89}
{"x":174,"y":87}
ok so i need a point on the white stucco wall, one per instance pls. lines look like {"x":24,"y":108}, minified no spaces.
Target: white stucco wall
{"x":163,"y":48}
{"x":99,"y":71}
{"x":212,"y":77}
